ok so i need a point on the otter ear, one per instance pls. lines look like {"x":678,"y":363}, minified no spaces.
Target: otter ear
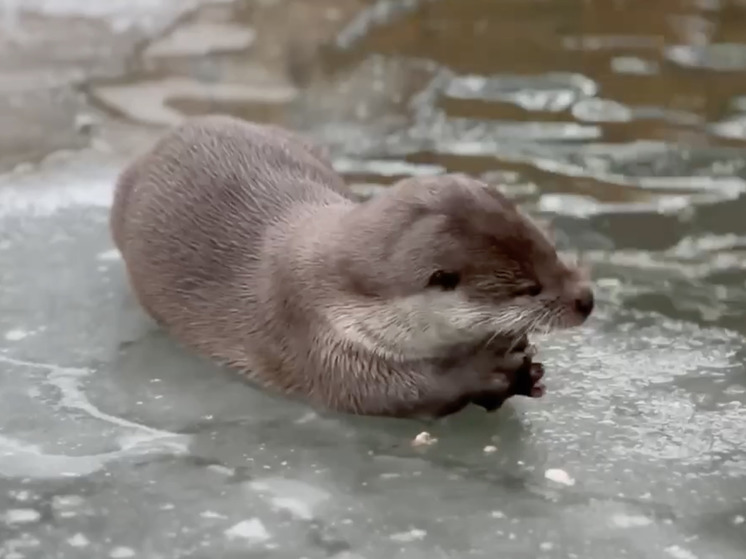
{"x":447,"y":281}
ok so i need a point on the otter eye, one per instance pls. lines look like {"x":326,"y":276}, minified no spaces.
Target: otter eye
{"x":445,"y":280}
{"x":531,"y":291}
{"x":534,"y":290}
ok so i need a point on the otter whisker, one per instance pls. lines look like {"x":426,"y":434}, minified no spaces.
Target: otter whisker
{"x":515,"y":342}
{"x":510,"y":321}
{"x":541,"y":322}
{"x":492,"y":339}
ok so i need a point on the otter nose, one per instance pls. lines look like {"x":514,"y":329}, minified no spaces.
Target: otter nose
{"x":584,"y":301}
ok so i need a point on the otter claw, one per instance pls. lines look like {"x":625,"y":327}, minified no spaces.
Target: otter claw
{"x":536,"y":372}
{"x":538,"y":390}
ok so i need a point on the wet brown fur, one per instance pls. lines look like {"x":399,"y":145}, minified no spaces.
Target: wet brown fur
{"x":245,"y":244}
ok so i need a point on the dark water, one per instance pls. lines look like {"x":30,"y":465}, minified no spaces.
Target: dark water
{"x":622,"y":122}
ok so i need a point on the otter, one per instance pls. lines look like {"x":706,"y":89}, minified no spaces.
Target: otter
{"x":242,"y":241}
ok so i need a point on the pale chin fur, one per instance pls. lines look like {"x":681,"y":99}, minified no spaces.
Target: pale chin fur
{"x":420,"y":326}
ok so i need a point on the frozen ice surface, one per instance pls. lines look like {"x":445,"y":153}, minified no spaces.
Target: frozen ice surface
{"x":120,"y":14}
{"x":116,"y":443}
{"x":115,"y":440}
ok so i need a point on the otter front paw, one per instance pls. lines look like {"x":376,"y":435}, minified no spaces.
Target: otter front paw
{"x":524,"y":380}
{"x":528,"y":383}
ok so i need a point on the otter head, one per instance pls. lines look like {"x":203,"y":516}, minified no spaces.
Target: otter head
{"x":447,"y":260}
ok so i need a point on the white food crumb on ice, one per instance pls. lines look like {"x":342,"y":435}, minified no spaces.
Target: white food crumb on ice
{"x":559,"y":476}
{"x":414,"y":534}
{"x":122,"y":553}
{"x":424,"y":439}
{"x":489,"y":449}
{"x":252,"y":529}
{"x":65,"y":501}
{"x":222,"y":470}
{"x":678,"y":552}
{"x":22,"y":516}
{"x":15,"y":335}
{"x":78,"y":540}
{"x":630,"y":520}
{"x":20,"y":495}
{"x":109,"y":255}
{"x":739,"y":519}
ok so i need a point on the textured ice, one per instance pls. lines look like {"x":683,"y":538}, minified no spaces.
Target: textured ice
{"x":251,"y":530}
{"x":630,"y":521}
{"x":22,"y":516}
{"x":120,"y":14}
{"x":78,"y":540}
{"x":122,"y":553}
{"x":412,"y":535}
{"x":553,"y":92}
{"x":103,"y":416}
{"x":116,"y":442}
{"x":200,"y":39}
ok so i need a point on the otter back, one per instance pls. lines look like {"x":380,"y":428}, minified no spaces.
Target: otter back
{"x":190,"y":217}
